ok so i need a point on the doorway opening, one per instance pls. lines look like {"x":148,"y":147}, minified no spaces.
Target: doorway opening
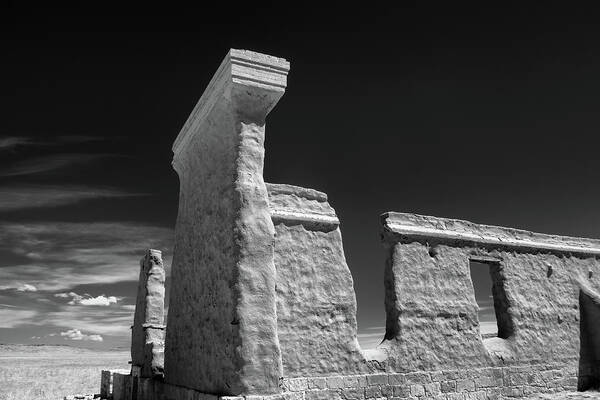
{"x":488,"y":285}
{"x":589,"y":335}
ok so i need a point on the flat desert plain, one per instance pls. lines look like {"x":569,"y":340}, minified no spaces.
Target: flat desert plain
{"x":52,"y":372}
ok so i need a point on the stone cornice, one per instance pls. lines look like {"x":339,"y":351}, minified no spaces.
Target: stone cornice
{"x":297,"y":205}
{"x":300,"y":217}
{"x":242,"y":67}
{"x":403,"y":227}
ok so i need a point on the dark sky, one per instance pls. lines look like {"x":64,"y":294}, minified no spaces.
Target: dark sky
{"x":485,"y":113}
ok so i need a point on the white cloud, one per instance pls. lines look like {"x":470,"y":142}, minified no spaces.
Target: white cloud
{"x":69,"y":255}
{"x":103,"y":320}
{"x":18,"y":286}
{"x":75,"y":334}
{"x":95,"y":301}
{"x":27,"y":288}
{"x":72,"y":254}
{"x":114,"y":321}
{"x":87,"y":300}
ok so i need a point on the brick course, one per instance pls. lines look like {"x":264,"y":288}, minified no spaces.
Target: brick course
{"x":466,"y":384}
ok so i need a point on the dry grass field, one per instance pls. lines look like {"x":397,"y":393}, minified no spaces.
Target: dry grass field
{"x":52,"y":372}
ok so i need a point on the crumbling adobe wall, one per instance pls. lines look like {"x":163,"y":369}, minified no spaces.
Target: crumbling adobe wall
{"x":432,"y":320}
{"x":148,"y":330}
{"x":202,"y":259}
{"x":316,"y":304}
{"x":431,"y":310}
{"x":545,"y":309}
{"x":222,"y":324}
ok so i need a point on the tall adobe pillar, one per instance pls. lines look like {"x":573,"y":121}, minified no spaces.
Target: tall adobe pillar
{"x":148,"y":330}
{"x":222,"y":323}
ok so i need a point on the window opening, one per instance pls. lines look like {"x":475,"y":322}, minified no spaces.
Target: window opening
{"x":488,"y":284}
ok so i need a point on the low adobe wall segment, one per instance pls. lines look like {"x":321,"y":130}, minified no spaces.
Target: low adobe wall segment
{"x":316,"y":304}
{"x":432,"y":320}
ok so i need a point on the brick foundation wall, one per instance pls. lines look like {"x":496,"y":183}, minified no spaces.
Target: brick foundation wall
{"x":466,"y":384}
{"x":480,"y":383}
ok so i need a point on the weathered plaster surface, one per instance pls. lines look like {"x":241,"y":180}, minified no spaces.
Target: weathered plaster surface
{"x":431,"y":310}
{"x":222,"y":335}
{"x":147,"y":333}
{"x":316,"y":304}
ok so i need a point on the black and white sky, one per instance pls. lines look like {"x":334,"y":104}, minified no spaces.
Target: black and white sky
{"x":488,"y":113}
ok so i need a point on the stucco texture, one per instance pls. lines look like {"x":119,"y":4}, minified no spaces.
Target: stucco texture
{"x":432,"y":320}
{"x":198,"y":357}
{"x":147,"y":333}
{"x":222,"y":335}
{"x":316,"y":304}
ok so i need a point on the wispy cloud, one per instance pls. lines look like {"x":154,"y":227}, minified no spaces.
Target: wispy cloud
{"x":32,"y":196}
{"x":102,"y":320}
{"x":14,"y":317}
{"x":18,"y":286}
{"x":75,"y":334}
{"x":49,"y":163}
{"x":55,"y":314}
{"x":9,"y":143}
{"x":78,"y":139}
{"x":59,"y":256}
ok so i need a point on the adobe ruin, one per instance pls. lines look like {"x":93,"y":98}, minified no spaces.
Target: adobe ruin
{"x":262,"y":304}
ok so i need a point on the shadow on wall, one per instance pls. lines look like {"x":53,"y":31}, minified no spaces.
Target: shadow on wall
{"x":589,"y":354}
